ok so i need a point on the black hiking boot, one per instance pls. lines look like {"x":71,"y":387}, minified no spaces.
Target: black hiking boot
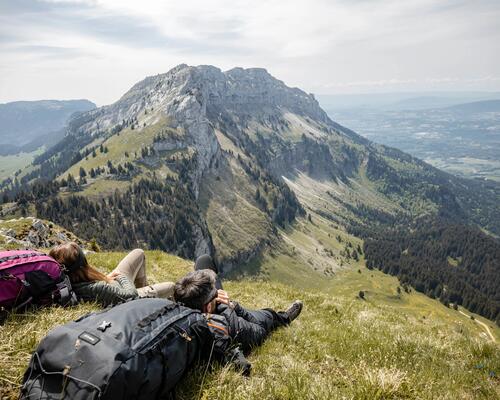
{"x":294,"y":310}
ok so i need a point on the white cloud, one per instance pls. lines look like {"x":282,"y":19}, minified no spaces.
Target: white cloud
{"x":99,"y":48}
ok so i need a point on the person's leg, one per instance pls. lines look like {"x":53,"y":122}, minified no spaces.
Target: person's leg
{"x":133,"y":266}
{"x":164,"y":290}
{"x":205,"y":261}
{"x":250,"y":334}
{"x":267,"y":318}
{"x":255,"y":325}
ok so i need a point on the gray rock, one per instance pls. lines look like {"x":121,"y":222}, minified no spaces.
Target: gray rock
{"x":34,"y":239}
{"x":20,"y":243}
{"x":202,"y":243}
{"x":62,"y":237}
{"x":10,"y":232}
{"x":39,"y":226}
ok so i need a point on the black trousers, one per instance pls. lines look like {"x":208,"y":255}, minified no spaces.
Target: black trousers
{"x":254,"y":326}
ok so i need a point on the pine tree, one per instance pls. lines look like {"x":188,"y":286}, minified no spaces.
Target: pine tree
{"x":71,"y":182}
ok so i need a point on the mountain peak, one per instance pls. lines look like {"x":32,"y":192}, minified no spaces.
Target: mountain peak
{"x":256,"y":72}
{"x":247,"y":91}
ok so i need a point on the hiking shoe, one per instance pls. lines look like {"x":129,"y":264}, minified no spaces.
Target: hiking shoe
{"x":294,"y":310}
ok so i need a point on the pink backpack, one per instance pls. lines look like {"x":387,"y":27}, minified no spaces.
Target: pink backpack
{"x":30,"y":277}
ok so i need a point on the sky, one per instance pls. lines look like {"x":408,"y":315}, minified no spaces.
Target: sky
{"x":97,"y":49}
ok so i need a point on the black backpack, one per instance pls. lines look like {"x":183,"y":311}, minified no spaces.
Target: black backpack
{"x":136,"y":350}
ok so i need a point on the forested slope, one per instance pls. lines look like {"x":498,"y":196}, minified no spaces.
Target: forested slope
{"x":454,"y":263}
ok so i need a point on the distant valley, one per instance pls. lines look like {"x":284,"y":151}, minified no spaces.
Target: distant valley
{"x":27,"y":128}
{"x":463,"y":139}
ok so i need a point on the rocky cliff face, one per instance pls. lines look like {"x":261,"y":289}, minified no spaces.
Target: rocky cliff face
{"x":186,"y":95}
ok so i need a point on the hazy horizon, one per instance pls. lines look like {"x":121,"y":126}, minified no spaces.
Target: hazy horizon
{"x":97,"y":49}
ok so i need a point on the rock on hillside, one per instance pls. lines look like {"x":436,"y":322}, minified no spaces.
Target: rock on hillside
{"x":33,"y":233}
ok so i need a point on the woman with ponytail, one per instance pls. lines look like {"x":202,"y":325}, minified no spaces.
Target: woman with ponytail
{"x":127,"y":281}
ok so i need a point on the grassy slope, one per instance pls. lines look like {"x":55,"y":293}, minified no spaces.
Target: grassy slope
{"x":340,"y":347}
{"x":128,"y":141}
{"x":236,"y":225}
{"x":227,"y":199}
{"x":10,"y":164}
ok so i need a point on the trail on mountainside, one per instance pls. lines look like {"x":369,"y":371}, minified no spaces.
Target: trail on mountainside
{"x":483,"y":324}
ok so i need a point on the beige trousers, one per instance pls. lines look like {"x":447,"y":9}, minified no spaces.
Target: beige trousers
{"x":133,"y":266}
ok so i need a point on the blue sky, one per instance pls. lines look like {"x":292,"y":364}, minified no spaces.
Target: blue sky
{"x":97,"y":49}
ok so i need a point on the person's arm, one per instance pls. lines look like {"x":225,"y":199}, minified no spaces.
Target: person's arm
{"x":236,"y":357}
{"x":227,"y":306}
{"x":234,"y":310}
{"x":126,"y":286}
{"x":108,"y":293}
{"x":240,"y":310}
{"x":223,"y":348}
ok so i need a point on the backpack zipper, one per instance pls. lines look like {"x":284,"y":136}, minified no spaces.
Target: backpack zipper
{"x":151,"y":343}
{"x":182,"y":333}
{"x":154,"y":343}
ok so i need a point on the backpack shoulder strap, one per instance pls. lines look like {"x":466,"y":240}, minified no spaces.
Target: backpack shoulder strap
{"x":218,"y":322}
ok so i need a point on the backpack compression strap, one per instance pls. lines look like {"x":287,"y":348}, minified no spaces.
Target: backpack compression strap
{"x":18,"y":256}
{"x":145,"y":340}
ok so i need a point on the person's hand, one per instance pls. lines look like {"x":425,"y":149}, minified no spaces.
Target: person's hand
{"x":113,"y":275}
{"x":222,"y":297}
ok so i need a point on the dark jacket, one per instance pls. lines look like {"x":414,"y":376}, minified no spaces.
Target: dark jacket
{"x":105,"y":293}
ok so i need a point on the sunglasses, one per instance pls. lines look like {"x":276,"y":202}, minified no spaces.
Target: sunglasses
{"x":213,"y":295}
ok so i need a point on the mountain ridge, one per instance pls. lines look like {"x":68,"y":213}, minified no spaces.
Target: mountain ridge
{"x":477,"y":106}
{"x":194,"y":99}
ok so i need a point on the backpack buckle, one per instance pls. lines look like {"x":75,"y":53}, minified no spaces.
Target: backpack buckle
{"x":104,"y":325}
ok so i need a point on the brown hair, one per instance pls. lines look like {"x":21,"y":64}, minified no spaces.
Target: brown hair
{"x":196,"y":289}
{"x":69,"y":254}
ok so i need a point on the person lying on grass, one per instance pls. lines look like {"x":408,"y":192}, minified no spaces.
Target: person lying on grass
{"x":127,"y":281}
{"x":247,"y":328}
